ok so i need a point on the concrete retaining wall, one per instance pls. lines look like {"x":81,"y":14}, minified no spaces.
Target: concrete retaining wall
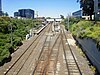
{"x":91,"y":50}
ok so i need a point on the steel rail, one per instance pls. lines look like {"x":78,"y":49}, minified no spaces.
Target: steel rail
{"x":39,"y":58}
{"x":46,"y":67}
{"x":24,"y":52}
{"x":72,"y":54}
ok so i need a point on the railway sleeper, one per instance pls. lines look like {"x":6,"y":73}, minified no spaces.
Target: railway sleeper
{"x":45,"y":48}
{"x":72,"y":65}
{"x":71,"y":60}
{"x":52,"y":59}
{"x":50,"y":72}
{"x":73,"y":70}
{"x":74,"y":73}
{"x":69,"y":56}
{"x":55,"y":52}
{"x":53,"y":55}
{"x":42,"y":59}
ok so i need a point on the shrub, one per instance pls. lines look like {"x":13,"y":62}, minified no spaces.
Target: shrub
{"x":86,"y":29}
{"x":17,"y":41}
{"x":4,"y":53}
{"x":19,"y":30}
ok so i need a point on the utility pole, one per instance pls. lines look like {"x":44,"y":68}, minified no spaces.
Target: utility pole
{"x":68,"y":22}
{"x":11,"y":36}
{"x":95,"y":10}
{"x":54,"y":24}
{"x":37,"y":14}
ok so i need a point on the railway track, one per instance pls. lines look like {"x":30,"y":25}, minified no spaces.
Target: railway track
{"x":41,"y":57}
{"x":48,"y":58}
{"x":70,"y":59}
{"x":50,"y":69}
{"x":16,"y":67}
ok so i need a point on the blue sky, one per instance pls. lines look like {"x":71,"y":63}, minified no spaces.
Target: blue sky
{"x":52,"y":8}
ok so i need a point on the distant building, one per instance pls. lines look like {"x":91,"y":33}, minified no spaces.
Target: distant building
{"x":96,"y":11}
{"x":16,"y":14}
{"x":41,"y":18}
{"x":24,"y":13}
{"x":27,"y":13}
{"x":77,"y":14}
{"x":0,"y":8}
{"x":80,"y":14}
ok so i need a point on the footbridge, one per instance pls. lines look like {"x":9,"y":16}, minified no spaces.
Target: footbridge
{"x":54,"y":19}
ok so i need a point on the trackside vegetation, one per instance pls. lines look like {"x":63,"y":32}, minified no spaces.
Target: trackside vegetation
{"x":20,"y":27}
{"x":84,"y":29}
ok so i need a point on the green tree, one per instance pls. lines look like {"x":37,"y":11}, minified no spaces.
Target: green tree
{"x":6,"y":14}
{"x":48,"y":17}
{"x":62,"y":17}
{"x":87,"y":7}
{"x":20,"y":28}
